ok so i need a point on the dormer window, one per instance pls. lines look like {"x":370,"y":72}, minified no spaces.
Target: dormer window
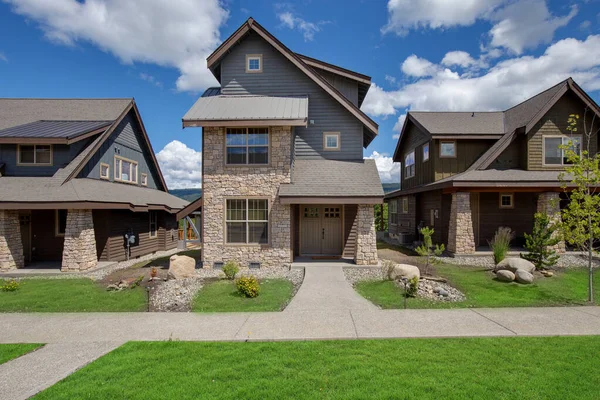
{"x":34,"y":154}
{"x":254,"y":63}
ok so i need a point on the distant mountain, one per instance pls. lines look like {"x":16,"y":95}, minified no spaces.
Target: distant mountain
{"x":390,"y":187}
{"x":187,"y":194}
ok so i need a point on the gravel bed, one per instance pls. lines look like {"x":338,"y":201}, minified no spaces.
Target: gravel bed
{"x":565,"y":261}
{"x":355,"y":275}
{"x":174,"y":295}
{"x":101,"y":273}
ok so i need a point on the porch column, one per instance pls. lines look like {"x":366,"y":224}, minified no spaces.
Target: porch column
{"x":461,"y":239}
{"x":79,"y":252}
{"x":11,"y":247}
{"x":366,"y":236}
{"x":549,"y":203}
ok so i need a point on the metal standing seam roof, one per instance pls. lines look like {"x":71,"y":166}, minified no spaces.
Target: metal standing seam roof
{"x":332,"y":178}
{"x":217,"y":108}
{"x":53,"y":129}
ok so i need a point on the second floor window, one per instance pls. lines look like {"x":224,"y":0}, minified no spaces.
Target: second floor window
{"x":35,"y":154}
{"x":425,"y":152}
{"x":409,"y":165}
{"x":126,"y":170}
{"x":393,"y":209}
{"x":247,"y":146}
{"x":553,"y":154}
{"x":447,"y":149}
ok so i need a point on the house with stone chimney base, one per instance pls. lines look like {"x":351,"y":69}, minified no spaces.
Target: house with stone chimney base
{"x":466,"y":174}
{"x":76,"y":177}
{"x":283,"y":174}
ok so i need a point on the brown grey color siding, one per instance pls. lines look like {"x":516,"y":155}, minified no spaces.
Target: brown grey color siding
{"x":467,"y":152}
{"x":555,"y":123}
{"x":519,"y":218}
{"x":415,"y":139}
{"x":512,"y":157}
{"x":428,"y":202}
{"x":406,"y":221}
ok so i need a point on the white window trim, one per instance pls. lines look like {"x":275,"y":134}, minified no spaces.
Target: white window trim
{"x":405,"y":205}
{"x":144,"y":179}
{"x":118,"y":160}
{"x":35,"y":164}
{"x":428,"y":149}
{"x":107,"y":176}
{"x":247,"y":221}
{"x":570,"y":137}
{"x":512,"y":200}
{"x":258,"y":57}
{"x":247,"y":146}
{"x":413,"y":164}
{"x":455,"y":149}
{"x":337,"y":140}
{"x":153,"y":220}
{"x":56,"y":225}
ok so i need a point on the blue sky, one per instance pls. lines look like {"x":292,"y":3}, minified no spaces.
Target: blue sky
{"x":422,"y":55}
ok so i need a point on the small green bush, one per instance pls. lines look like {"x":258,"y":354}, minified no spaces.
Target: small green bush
{"x":540,"y":244}
{"x":248,"y":286}
{"x":138,"y":281}
{"x":230,"y":269}
{"x":500,"y":243}
{"x":413,"y":287}
{"x":10,"y":286}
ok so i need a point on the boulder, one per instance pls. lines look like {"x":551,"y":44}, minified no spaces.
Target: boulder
{"x":181,"y":267}
{"x":514,"y":263}
{"x":404,"y":271}
{"x":505,"y":275}
{"x":548,"y":274}
{"x":523,"y":276}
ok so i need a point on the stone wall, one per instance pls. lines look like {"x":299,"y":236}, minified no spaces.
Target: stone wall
{"x":221,"y":182}
{"x":79,"y":252}
{"x":366,"y":237}
{"x":11,"y":247}
{"x":461,"y":239}
{"x":549,"y":203}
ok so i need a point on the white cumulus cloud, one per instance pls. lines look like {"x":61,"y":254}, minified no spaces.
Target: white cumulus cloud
{"x":389,"y":171}
{"x":180,"y":165}
{"x":458,"y":58}
{"x":308,"y":29}
{"x":419,"y":67}
{"x":170,"y":33}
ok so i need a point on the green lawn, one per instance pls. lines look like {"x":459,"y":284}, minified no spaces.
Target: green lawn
{"x":10,"y":351}
{"x":478,"y":368}
{"x":222,"y":296}
{"x":568,"y":287}
{"x":69,"y":295}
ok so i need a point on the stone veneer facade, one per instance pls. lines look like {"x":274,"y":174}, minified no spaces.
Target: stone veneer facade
{"x":549,"y":203}
{"x":461,"y":238}
{"x":79,"y":252}
{"x":366,"y":236}
{"x":221,"y":182}
{"x":11,"y":247}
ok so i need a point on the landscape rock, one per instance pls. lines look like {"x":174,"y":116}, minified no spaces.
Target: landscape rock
{"x":514,"y":263}
{"x":404,"y":271}
{"x":548,"y":274}
{"x":505,"y":275}
{"x":181,"y":267}
{"x":443,"y":292}
{"x":523,"y":276}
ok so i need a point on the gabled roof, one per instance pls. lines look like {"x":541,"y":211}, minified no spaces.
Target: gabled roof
{"x":214,"y":59}
{"x":461,"y":123}
{"x":53,"y":132}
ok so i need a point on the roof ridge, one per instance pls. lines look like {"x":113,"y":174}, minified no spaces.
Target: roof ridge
{"x":67,"y":98}
{"x":563,"y":82}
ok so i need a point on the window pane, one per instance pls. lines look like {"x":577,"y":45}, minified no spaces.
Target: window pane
{"x":236,"y":210}
{"x":258,"y":136}
{"x":552,"y":153}
{"x":409,"y":159}
{"x":258,"y":232}
{"x":425,"y":152}
{"x":253,"y":64}
{"x":62,"y":221}
{"x":258,"y":155}
{"x":236,"y":155}
{"x":331,"y":141}
{"x":236,"y":232}
{"x":258,"y":210}
{"x":42,"y":155}
{"x":236,"y":137}
{"x":575,"y":145}
{"x":133,"y":173}
{"x":448,"y":149}
{"x":104,"y":171}
{"x":125,"y":170}
{"x":27,"y":154}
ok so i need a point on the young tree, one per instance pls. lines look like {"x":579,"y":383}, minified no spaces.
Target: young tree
{"x":581,"y":218}
{"x":427,"y":251}
{"x":541,"y":242}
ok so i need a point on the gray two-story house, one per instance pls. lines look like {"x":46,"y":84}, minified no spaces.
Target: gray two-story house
{"x":282,"y":142}
{"x":76,"y":176}
{"x":466,"y":174}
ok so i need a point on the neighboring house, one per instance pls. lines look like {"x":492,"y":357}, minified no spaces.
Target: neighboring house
{"x":283,"y":171}
{"x":76,"y":175}
{"x":468,"y":173}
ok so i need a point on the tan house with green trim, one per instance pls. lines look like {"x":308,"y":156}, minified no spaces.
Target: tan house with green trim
{"x":468,"y":173}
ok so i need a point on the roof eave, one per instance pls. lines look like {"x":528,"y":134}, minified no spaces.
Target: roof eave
{"x":196,"y":123}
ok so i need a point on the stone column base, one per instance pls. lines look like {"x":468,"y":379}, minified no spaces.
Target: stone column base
{"x":79,"y":252}
{"x":11,"y":247}
{"x":366,"y":236}
{"x":549,"y":203}
{"x":461,"y":239}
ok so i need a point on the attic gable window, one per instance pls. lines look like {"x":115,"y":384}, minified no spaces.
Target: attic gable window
{"x":253,"y":63}
{"x":126,"y":170}
{"x":553,"y":154}
{"x":409,"y":165}
{"x":447,"y":149}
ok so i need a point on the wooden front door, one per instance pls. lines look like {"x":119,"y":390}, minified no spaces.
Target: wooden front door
{"x":25,"y":226}
{"x":321,"y":230}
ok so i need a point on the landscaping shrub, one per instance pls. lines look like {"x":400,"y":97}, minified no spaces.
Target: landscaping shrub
{"x":500,"y":243}
{"x":541,"y":241}
{"x":426,"y":250}
{"x":230,"y":269}
{"x":10,"y":286}
{"x":413,"y":287}
{"x":248,"y":286}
